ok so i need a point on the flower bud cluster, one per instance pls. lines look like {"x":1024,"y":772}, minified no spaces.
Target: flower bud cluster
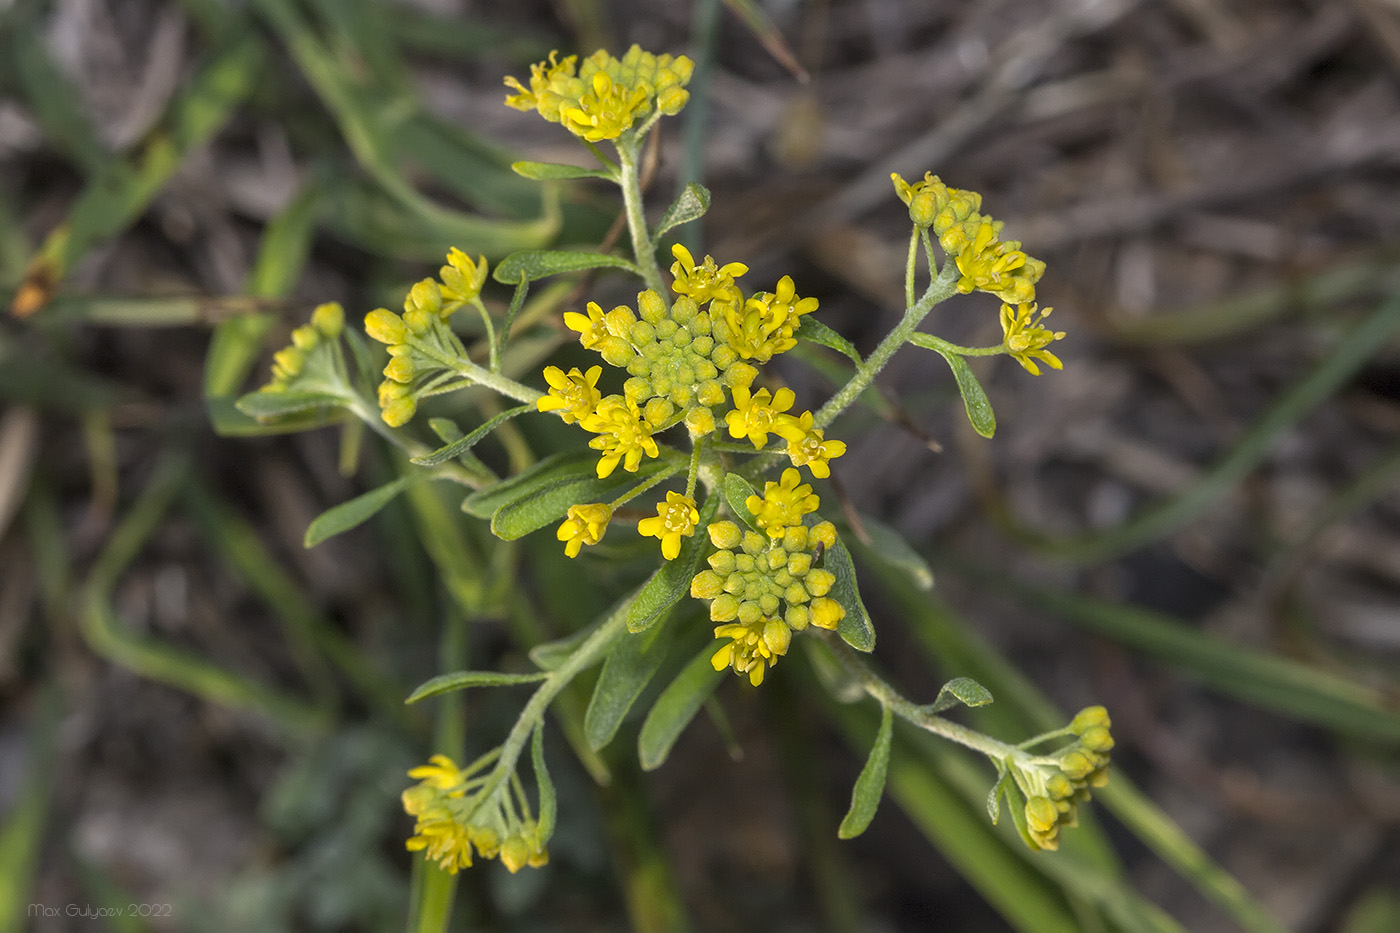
{"x":420,"y":339}
{"x":1054,"y":787}
{"x":314,"y":352}
{"x":604,"y":97}
{"x":451,"y":822}
{"x":762,"y":588}
{"x":971,"y":239}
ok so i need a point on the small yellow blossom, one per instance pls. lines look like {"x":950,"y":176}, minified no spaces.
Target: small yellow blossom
{"x":586,"y":524}
{"x":1025,"y":339}
{"x":751,"y":648}
{"x":812,"y":450}
{"x":605,"y":332}
{"x":783,"y":504}
{"x":547,"y":80}
{"x":756,"y":414}
{"x":1000,"y":267}
{"x":574,"y":394}
{"x":676,"y":518}
{"x":441,"y":773}
{"x":624,"y":435}
{"x":606,"y":110}
{"x":708,"y":280}
{"x":462,"y":278}
{"x":764,"y":326}
{"x":446,"y":841}
{"x":385,"y":326}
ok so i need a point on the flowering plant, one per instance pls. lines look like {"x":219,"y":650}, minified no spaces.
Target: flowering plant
{"x":679,"y":399}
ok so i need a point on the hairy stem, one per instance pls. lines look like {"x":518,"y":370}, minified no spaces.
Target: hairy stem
{"x":631,"y":186}
{"x":940,"y":289}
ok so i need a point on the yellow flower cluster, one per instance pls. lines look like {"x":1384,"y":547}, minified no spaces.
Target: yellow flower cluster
{"x":314,"y":341}
{"x":604,"y":97}
{"x":441,"y":806}
{"x":762,"y":589}
{"x":972,"y":240}
{"x":585,"y":524}
{"x":1053,"y":791}
{"x":420,"y":339}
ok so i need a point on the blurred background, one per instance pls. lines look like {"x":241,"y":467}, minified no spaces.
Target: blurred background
{"x":1196,"y":523}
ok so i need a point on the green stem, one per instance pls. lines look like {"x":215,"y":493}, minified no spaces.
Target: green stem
{"x":637,"y":490}
{"x":940,"y":289}
{"x":930,"y":342}
{"x":694,"y":474}
{"x":469,"y":370}
{"x":915,"y":714}
{"x":636,"y":217}
{"x":584,"y":656}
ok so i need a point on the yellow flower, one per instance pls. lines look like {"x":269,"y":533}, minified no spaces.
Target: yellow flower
{"x":756,"y":414}
{"x":606,"y":333}
{"x":606,"y":110}
{"x":574,"y":395}
{"x":445,"y":840}
{"x":783,"y":504}
{"x":440,"y":773}
{"x":763,"y":326}
{"x":751,"y":648}
{"x":812,"y":450}
{"x":462,"y":279}
{"x":706,"y":281}
{"x":1025,"y":339}
{"x":625,"y":436}
{"x":675,"y":519}
{"x":550,"y":80}
{"x":586,"y":524}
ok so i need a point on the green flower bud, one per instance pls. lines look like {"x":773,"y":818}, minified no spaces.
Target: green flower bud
{"x":385,"y":326}
{"x":305,"y":338}
{"x":329,"y":319}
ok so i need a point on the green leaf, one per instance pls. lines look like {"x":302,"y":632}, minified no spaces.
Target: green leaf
{"x":855,"y":628}
{"x":484,"y":502}
{"x":736,"y":491}
{"x":870,"y":786}
{"x":358,"y":510}
{"x":817,"y":332}
{"x":462,"y":445}
{"x":546,"y":502}
{"x":692,"y":204}
{"x":979,"y":410}
{"x":541,"y":263}
{"x":889,"y":547}
{"x":548,"y":171}
{"x":671,"y":581}
{"x":549,"y":808}
{"x":274,"y":404}
{"x":962,"y":690}
{"x":628,"y":669}
{"x":994,"y":795}
{"x":551,"y":655}
{"x":461,"y":680}
{"x":676,"y":707}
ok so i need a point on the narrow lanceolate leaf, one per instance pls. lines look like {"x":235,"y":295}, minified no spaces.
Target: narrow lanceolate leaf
{"x":552,"y":654}
{"x":671,"y":581}
{"x":819,"y":333}
{"x":549,"y":808}
{"x":275,"y":404}
{"x":358,"y":510}
{"x":541,"y":263}
{"x":461,"y":680}
{"x":484,"y":502}
{"x":870,"y":786}
{"x":548,"y":502}
{"x":855,"y":628}
{"x":736,"y":491}
{"x":692,"y":204}
{"x":548,"y":171}
{"x":627,"y":671}
{"x":962,"y":690}
{"x":979,"y":409}
{"x":676,"y":707}
{"x":462,"y":445}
